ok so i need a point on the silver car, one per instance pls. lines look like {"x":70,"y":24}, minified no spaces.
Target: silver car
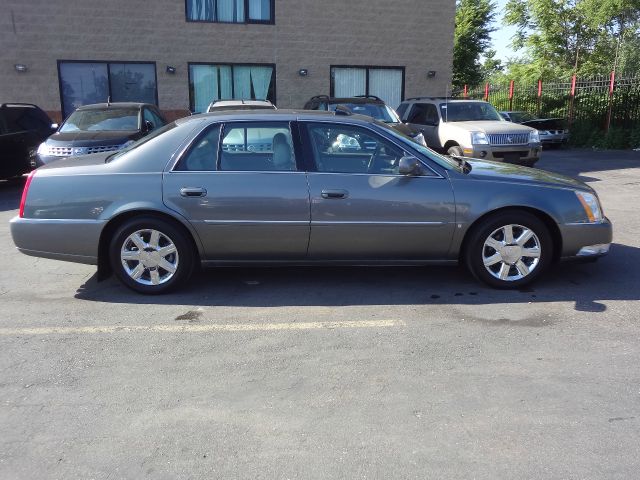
{"x":296,"y":187}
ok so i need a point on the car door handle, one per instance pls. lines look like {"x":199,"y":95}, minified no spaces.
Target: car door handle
{"x":334,"y":194}
{"x":193,"y":192}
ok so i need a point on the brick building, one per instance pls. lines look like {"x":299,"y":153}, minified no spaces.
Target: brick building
{"x":181,"y":54}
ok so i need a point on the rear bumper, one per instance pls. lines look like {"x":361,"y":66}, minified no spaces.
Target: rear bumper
{"x":58,"y":239}
{"x":586,"y":240}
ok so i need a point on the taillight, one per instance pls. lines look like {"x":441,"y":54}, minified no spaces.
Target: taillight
{"x":25,"y":192}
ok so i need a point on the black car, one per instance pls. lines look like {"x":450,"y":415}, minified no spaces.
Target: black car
{"x":102,"y":127}
{"x":23,"y":127}
{"x":369,"y":105}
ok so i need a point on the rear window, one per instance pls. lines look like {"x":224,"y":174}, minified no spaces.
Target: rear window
{"x":109,"y":119}
{"x":21,"y":118}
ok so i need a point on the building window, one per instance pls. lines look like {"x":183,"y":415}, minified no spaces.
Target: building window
{"x":210,"y":82}
{"x":384,"y":82}
{"x":230,"y":11}
{"x":84,"y":83}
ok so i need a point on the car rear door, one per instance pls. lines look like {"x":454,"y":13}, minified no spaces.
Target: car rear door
{"x":239,"y":185}
{"x":363,"y":209}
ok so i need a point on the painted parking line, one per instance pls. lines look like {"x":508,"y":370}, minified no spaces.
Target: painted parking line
{"x":196,"y":328}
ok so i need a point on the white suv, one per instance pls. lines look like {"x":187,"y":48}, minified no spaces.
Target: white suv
{"x":471,"y":128}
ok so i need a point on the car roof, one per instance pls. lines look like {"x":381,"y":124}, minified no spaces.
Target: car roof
{"x":442,"y":100}
{"x":17,"y":104}
{"x":275,"y":115}
{"x":101,"y":106}
{"x":358,"y":99}
{"x":226,"y":103}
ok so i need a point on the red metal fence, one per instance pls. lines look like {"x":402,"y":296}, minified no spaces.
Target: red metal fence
{"x":603,"y":102}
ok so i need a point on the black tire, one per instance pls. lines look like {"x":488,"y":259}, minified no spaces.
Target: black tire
{"x":456,"y":151}
{"x":184,"y":257}
{"x":475,"y":249}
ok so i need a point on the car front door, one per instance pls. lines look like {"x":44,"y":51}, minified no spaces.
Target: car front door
{"x":239,"y":185}
{"x":424,"y":117}
{"x":363,"y":209}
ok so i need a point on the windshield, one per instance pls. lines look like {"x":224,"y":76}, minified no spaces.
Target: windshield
{"x":142,"y":141}
{"x":441,"y":160}
{"x":94,"y":120}
{"x":468,"y":112}
{"x":376,"y":110}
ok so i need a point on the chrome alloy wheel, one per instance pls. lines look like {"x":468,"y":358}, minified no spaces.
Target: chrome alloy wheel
{"x":149,"y":257}
{"x":511,"y":252}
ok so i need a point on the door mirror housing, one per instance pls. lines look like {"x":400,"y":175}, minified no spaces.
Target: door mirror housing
{"x":409,"y":165}
{"x":54,"y":126}
{"x":148,"y":126}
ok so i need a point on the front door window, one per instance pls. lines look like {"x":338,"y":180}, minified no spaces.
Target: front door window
{"x":351,"y":149}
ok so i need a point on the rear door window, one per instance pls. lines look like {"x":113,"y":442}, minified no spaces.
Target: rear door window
{"x":257,"y":146}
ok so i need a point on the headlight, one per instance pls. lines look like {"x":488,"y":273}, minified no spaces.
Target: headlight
{"x":534,"y":137}
{"x":419,"y":138}
{"x":591,"y":206}
{"x":479,"y":138}
{"x":43,"y":149}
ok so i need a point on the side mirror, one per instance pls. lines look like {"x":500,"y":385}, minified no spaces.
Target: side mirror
{"x":148,"y":126}
{"x":409,"y":165}
{"x":54,"y":126}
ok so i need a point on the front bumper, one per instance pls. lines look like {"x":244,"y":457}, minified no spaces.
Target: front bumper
{"x":554,"y":138}
{"x":517,"y":154}
{"x":586,"y":240}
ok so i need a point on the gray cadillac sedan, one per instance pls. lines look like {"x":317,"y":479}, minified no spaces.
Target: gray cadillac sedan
{"x":300,"y":187}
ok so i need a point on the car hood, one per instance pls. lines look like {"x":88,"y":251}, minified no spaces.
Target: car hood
{"x":490,"y":126}
{"x":88,"y":139}
{"x":506,"y":172}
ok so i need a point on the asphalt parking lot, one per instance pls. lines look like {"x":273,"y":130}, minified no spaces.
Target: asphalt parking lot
{"x":328,"y":372}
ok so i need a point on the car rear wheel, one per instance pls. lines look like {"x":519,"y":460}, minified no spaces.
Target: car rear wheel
{"x":509,"y":250}
{"x":150,"y":255}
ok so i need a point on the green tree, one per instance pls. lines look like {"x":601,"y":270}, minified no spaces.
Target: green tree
{"x":474,"y":19}
{"x":492,"y":68}
{"x":560,"y":37}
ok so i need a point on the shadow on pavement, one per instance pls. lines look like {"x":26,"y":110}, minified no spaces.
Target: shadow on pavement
{"x":10,"y":193}
{"x":587,"y":285}
{"x":574,"y":162}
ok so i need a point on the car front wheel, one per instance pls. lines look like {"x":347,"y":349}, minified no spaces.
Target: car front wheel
{"x":509,"y":250}
{"x":150,"y":255}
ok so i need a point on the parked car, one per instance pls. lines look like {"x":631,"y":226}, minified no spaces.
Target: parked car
{"x":552,"y":131}
{"x":23,"y":127}
{"x":218,"y":105}
{"x":103,"y":127}
{"x":471,"y":128}
{"x":366,"y":105}
{"x":290,"y":187}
